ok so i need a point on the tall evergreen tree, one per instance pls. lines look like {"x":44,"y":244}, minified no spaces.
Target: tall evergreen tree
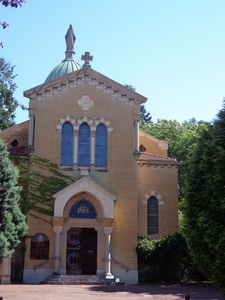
{"x":8,"y":103}
{"x":204,"y":204}
{"x":145,"y":115}
{"x":12,"y":221}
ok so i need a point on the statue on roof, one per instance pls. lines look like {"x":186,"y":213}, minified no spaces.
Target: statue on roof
{"x":70,"y":39}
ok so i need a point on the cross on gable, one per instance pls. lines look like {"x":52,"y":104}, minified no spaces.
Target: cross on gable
{"x":87,"y":58}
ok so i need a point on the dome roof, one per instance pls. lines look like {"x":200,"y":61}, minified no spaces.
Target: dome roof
{"x":67,"y":66}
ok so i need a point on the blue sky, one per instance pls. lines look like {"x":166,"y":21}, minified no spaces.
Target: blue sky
{"x":171,"y":51}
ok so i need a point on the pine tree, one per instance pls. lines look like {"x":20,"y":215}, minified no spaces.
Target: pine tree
{"x":12,"y":221}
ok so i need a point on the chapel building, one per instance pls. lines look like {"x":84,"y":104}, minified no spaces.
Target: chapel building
{"x":124,"y":185}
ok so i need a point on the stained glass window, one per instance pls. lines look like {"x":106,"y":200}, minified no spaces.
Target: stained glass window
{"x":101,"y":146}
{"x":83,"y":209}
{"x":153,"y":216}
{"x":67,"y":145}
{"x":84,"y":145}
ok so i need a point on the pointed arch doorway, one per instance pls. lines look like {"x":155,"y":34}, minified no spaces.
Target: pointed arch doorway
{"x":81,"y":254}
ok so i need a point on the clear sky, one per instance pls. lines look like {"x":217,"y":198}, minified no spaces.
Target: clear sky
{"x":171,"y":51}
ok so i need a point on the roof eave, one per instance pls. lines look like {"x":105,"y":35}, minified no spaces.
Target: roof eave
{"x":162,"y":163}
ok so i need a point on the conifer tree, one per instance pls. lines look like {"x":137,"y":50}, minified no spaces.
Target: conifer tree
{"x":8,"y":103}
{"x":204,"y":204}
{"x":145,"y":115}
{"x":12,"y":221}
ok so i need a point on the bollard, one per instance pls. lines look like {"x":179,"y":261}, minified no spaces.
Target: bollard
{"x":186,"y":297}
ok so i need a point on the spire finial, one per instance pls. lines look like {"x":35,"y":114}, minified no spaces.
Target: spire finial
{"x":70,"y":40}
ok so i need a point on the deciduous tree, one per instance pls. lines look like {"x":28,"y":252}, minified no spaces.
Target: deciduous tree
{"x":182,"y":138}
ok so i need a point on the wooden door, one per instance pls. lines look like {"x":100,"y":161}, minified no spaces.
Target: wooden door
{"x":81,"y":251}
{"x":74,"y":251}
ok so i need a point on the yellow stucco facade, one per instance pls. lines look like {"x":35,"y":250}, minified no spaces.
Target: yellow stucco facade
{"x":118,"y":192}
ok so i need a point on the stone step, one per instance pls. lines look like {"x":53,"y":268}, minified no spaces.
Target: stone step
{"x":81,"y":279}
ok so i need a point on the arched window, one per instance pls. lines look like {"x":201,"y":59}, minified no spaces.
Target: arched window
{"x":101,"y":146}
{"x":142,"y":148}
{"x":83,"y":209}
{"x":39,"y":246}
{"x":153,"y":216}
{"x":84,"y":145}
{"x":67,"y":145}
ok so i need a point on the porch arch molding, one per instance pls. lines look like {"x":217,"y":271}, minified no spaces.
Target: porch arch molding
{"x":89,"y":198}
{"x":100,"y":198}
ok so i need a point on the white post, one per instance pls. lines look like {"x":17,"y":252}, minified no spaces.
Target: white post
{"x":92,"y":147}
{"x":136,"y":135}
{"x":57,"y":230}
{"x":108,"y":231}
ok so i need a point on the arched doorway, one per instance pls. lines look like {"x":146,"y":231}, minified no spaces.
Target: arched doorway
{"x":81,"y":254}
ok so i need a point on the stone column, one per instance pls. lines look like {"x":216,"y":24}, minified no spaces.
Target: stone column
{"x":75,"y":148}
{"x":136,"y":136}
{"x":92,"y":148}
{"x":5,"y":271}
{"x":57,"y":227}
{"x":31,"y":131}
{"x":108,"y":231}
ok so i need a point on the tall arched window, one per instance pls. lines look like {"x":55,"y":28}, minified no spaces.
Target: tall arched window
{"x":153,"y":216}
{"x":101,"y":146}
{"x":67,"y":145}
{"x":84,"y":145}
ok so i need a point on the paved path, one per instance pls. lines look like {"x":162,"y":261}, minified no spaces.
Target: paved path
{"x":93,"y":292}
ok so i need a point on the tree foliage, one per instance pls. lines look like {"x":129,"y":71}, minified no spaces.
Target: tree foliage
{"x":165,"y":259}
{"x":204,"y":203}
{"x":145,"y":115}
{"x":12,"y":221}
{"x":8,"y":103}
{"x":182,"y":139}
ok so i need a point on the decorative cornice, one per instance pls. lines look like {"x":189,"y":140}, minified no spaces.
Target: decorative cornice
{"x":85,"y":77}
{"x":158,"y":164}
{"x":157,"y":161}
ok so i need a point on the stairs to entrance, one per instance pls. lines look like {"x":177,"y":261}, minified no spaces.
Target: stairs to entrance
{"x":81,"y":279}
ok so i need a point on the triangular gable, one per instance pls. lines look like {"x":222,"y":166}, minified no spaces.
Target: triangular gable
{"x":17,"y":132}
{"x":152,"y":144}
{"x":85,"y":76}
{"x":84,"y":185}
